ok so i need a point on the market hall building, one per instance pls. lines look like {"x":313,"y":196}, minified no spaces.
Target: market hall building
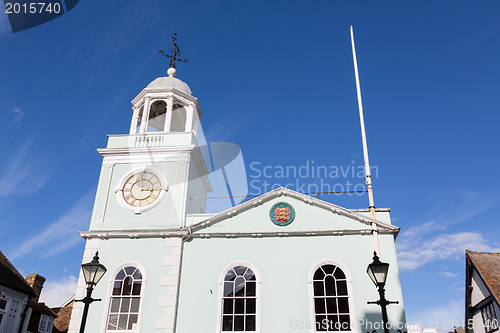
{"x":280,"y":262}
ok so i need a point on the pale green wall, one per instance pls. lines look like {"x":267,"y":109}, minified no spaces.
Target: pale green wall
{"x":149,"y":253}
{"x":116,"y":217}
{"x":284,"y":264}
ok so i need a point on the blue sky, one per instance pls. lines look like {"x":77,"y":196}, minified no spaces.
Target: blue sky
{"x":276,"y":78}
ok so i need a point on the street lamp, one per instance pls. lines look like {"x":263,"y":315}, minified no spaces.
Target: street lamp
{"x":92,"y":273}
{"x":377,"y":271}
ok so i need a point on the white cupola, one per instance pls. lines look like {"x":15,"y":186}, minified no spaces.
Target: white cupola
{"x":165,"y":105}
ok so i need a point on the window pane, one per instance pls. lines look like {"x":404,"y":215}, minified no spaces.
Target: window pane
{"x":239,"y":286}
{"x":319,"y":274}
{"x":330,"y":286}
{"x":240,"y":270}
{"x":117,"y":288}
{"x":127,"y":286}
{"x":136,"y":289}
{"x":122,"y":323}
{"x":339,"y":274}
{"x":333,"y":323}
{"x":249,"y":275}
{"x":228,"y":289}
{"x":230,"y":276}
{"x":239,"y":323}
{"x":318,"y":288}
{"x":227,"y":323}
{"x":342,"y":288}
{"x":1,"y":315}
{"x":344,"y":323}
{"x":251,"y":305}
{"x":227,"y":307}
{"x":319,"y":305}
{"x":250,"y":323}
{"x":115,"y":304}
{"x":328,"y":269}
{"x":331,"y":305}
{"x":343,"y":305}
{"x":137,"y":275}
{"x":250,"y":288}
{"x":125,"y":304}
{"x":120,"y":275}
{"x":113,"y":322}
{"x":3,"y":304}
{"x":134,"y":306}
{"x":321,"y":323}
{"x":130,"y":270}
{"x":239,"y":305}
{"x":132,"y":322}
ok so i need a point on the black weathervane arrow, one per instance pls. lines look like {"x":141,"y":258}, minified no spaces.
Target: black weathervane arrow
{"x":175,"y":53}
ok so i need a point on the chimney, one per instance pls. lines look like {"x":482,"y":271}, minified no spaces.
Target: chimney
{"x":36,"y":282}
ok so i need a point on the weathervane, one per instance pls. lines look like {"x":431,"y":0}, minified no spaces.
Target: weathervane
{"x":175,"y":53}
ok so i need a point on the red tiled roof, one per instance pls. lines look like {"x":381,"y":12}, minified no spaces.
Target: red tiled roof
{"x":42,"y":308}
{"x":61,"y":323}
{"x":488,"y":266}
{"x":11,"y":278}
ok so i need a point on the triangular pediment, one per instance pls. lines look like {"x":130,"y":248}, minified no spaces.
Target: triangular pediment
{"x":308,"y":216}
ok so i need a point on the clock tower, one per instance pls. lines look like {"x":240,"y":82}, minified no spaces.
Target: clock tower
{"x":149,"y":175}
{"x":150,"y":180}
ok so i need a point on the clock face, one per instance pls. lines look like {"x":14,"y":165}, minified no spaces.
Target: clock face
{"x":141,"y":189}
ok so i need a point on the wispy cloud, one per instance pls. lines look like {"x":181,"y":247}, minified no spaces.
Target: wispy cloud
{"x":440,"y":316}
{"x":17,"y":119}
{"x":26,"y":172}
{"x":448,"y":275}
{"x":55,"y":293}
{"x":61,"y":234}
{"x":414,"y":252}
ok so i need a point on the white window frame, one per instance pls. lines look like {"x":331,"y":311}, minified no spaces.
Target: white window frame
{"x":46,"y":323}
{"x":111,"y":283}
{"x":350,"y":294}
{"x":221,"y":294}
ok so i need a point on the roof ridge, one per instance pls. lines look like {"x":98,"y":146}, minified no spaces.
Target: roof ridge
{"x":493,"y":253}
{"x":5,"y":260}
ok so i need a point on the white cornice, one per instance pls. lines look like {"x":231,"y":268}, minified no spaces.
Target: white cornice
{"x":186,"y":233}
{"x":134,"y":234}
{"x":145,"y":150}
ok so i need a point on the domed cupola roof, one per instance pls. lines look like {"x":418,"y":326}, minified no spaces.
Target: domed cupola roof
{"x":169,"y":82}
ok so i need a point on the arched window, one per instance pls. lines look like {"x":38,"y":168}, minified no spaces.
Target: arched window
{"x":331,"y":299}
{"x":125,"y":300}
{"x":239,"y":300}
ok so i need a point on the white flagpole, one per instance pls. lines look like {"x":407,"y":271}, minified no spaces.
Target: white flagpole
{"x":368,"y":176}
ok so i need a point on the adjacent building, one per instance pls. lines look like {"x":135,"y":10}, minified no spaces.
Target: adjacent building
{"x":482,"y":292}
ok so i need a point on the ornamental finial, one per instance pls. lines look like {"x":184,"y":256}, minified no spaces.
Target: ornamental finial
{"x":173,"y":57}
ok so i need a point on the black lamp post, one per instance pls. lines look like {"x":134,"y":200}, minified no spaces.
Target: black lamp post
{"x":377,"y":271}
{"x":92,"y":272}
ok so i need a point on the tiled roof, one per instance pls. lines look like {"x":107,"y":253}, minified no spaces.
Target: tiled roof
{"x":44,"y":309}
{"x":11,"y":278}
{"x":61,"y":323}
{"x":488,"y":266}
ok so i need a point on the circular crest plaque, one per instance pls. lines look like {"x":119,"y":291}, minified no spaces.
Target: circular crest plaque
{"x":282,"y":214}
